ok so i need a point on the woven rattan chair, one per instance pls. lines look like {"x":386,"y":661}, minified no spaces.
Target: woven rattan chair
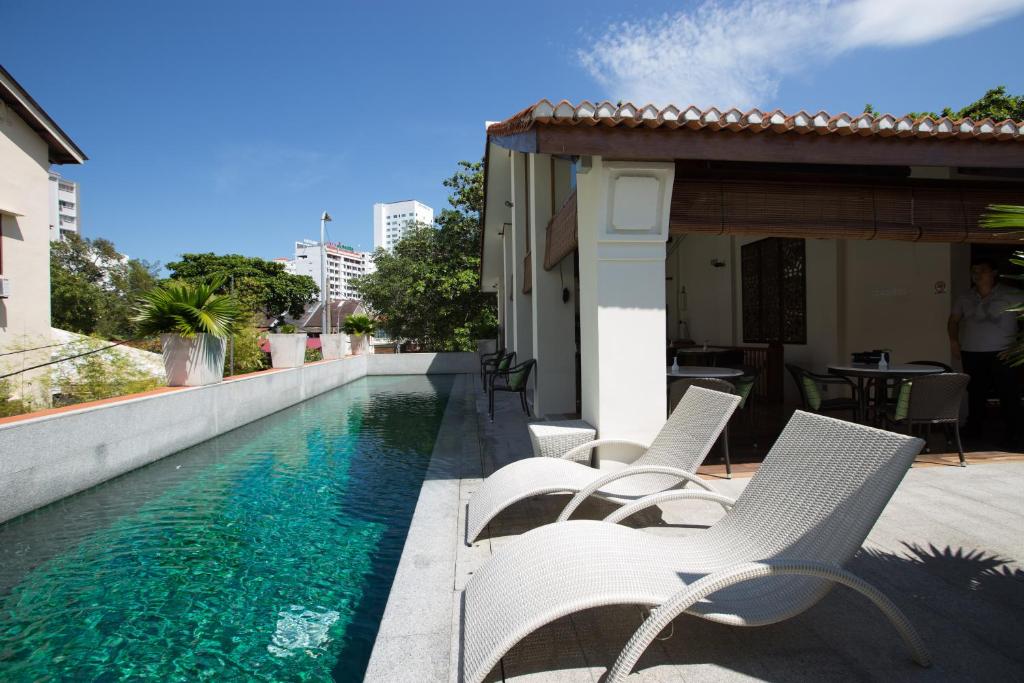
{"x":773,"y":556}
{"x":811,"y":387}
{"x":500,"y":363}
{"x":680,"y":386}
{"x":670,"y":461}
{"x":513,"y":379}
{"x":932,"y":400}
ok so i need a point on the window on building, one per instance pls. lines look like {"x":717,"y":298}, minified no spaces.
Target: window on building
{"x":774,"y":277}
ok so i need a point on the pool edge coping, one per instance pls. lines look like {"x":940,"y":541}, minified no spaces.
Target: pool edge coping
{"x":413,"y":642}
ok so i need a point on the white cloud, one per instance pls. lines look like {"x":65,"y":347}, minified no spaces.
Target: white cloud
{"x":736,"y":54}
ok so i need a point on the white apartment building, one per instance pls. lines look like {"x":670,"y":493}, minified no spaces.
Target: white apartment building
{"x":392,"y":219}
{"x":64,"y":207}
{"x":343,"y":264}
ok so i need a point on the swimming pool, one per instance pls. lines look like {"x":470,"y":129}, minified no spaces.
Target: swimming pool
{"x":266,"y":553}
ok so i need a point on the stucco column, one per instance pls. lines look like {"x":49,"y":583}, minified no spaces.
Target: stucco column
{"x":506,"y":289}
{"x":519,"y":239}
{"x":553,"y":319}
{"x":623,"y":210}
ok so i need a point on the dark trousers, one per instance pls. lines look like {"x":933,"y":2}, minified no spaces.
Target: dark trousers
{"x":991,"y":376}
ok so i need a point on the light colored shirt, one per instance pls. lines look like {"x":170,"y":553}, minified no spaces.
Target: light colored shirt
{"x":986,"y":324}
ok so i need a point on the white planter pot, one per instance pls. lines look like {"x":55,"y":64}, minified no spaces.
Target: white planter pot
{"x":360,"y":344}
{"x":485,"y":346}
{"x":334,"y":346}
{"x":287,"y":350}
{"x":193,"y":361}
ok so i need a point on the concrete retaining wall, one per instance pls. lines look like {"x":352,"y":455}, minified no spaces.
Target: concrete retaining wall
{"x":422,"y":363}
{"x":45,"y":458}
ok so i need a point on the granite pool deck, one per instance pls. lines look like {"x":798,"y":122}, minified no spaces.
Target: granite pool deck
{"x":948,"y":549}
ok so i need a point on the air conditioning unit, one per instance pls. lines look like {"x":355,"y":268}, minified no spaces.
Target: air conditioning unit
{"x":5,"y":287}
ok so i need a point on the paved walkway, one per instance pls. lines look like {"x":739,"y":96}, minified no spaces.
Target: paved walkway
{"x":948,"y":549}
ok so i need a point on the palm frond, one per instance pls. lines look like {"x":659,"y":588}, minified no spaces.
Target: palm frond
{"x":1003,"y":217}
{"x":187,"y":309}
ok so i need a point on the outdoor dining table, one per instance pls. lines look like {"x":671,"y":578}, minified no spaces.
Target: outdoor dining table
{"x":864,"y":371}
{"x":702,"y":372}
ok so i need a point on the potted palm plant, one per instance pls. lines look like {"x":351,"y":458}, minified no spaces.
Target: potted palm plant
{"x":287,"y":347}
{"x":359,"y":327}
{"x":193,"y":322}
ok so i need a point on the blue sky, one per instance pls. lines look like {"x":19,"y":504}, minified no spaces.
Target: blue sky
{"x":229,"y":126}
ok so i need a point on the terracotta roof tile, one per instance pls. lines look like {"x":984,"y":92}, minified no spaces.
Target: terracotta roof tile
{"x":629,"y":115}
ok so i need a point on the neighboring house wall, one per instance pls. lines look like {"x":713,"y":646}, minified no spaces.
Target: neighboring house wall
{"x":24,"y":247}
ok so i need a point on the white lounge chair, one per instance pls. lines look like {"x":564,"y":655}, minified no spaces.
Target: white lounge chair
{"x":775,"y":554}
{"x":670,"y":460}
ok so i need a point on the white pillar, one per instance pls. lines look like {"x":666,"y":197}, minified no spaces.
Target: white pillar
{"x":623,"y":210}
{"x":522,"y":306}
{"x":506,"y":289}
{"x":554,"y":345}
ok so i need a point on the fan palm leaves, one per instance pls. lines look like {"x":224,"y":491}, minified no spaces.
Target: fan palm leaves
{"x":358,"y":324}
{"x":187,"y":309}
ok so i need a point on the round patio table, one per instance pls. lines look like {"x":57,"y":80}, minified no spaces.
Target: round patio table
{"x":862,"y":371}
{"x":702,"y":372}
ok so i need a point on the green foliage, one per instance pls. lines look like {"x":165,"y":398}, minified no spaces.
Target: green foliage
{"x":187,"y":309}
{"x":995,"y":104}
{"x":427,"y":290}
{"x":99,"y":375}
{"x":249,"y":357}
{"x":260,"y":286}
{"x":286,"y":328}
{"x":1010,"y":217}
{"x":93,"y":288}
{"x":313,"y":355}
{"x":358,"y":324}
{"x":9,"y":405}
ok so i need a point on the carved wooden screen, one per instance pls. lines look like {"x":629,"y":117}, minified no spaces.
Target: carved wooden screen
{"x":774,"y":277}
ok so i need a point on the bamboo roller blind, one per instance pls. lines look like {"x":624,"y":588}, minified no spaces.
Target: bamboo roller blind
{"x":837,"y":211}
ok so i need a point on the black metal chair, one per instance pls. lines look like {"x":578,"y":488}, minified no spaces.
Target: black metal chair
{"x":931,"y":400}
{"x":514,"y":379}
{"x":675,"y":393}
{"x":810,"y":385}
{"x":499,"y":362}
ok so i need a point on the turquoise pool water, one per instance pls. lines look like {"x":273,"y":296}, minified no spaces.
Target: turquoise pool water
{"x":264,"y":554}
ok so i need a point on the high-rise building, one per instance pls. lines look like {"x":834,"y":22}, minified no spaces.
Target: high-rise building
{"x":343,"y":264}
{"x":392,"y":219}
{"x":64,"y":210}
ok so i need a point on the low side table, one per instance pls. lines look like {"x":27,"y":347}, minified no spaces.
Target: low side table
{"x":553,"y":439}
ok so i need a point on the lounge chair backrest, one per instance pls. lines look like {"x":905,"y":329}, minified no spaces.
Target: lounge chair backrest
{"x":691,"y":429}
{"x":819,"y":490}
{"x":678,"y":388}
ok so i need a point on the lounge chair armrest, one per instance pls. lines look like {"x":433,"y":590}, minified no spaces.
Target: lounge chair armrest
{"x":631,"y":509}
{"x":575,"y":453}
{"x":679,"y":603}
{"x":591,"y":488}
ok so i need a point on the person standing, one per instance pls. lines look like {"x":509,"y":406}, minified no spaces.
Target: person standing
{"x":981,"y":328}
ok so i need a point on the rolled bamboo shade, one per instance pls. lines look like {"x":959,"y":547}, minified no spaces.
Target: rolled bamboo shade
{"x":561,"y":237}
{"x":833,"y":210}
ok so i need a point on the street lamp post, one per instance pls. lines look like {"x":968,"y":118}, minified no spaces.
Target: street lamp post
{"x":325,"y":316}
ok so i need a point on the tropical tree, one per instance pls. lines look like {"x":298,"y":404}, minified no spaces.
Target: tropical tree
{"x":260,"y":286}
{"x":995,"y":104}
{"x":93,"y":288}
{"x":427,"y":289}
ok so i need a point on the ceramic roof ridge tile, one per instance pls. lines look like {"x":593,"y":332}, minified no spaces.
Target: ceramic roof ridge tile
{"x":628,"y":114}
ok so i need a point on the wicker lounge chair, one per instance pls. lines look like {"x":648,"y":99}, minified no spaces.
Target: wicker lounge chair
{"x":774,"y":555}
{"x":670,"y":460}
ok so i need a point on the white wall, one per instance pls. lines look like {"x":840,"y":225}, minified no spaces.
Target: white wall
{"x":24,"y":190}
